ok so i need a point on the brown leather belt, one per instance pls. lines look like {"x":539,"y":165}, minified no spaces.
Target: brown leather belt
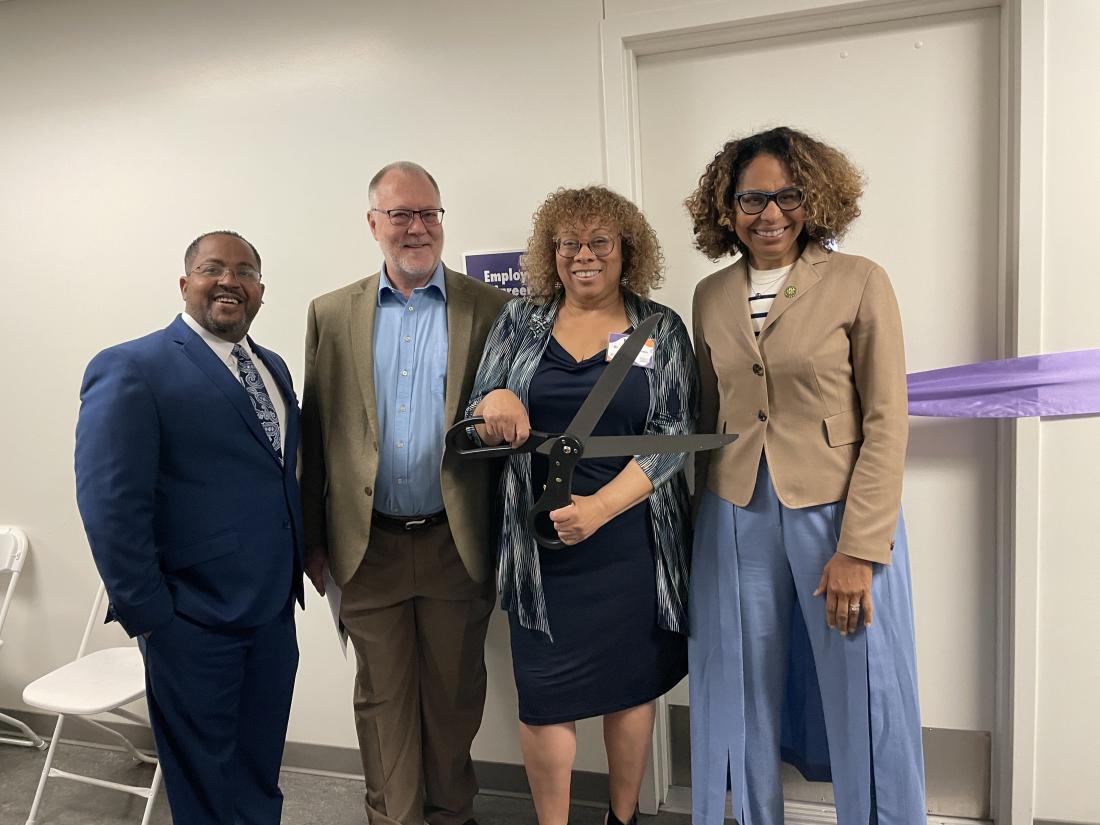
{"x":402,"y":524}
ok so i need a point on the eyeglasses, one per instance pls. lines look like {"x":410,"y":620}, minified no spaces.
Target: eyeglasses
{"x":404,"y":217}
{"x":218,"y":271}
{"x":601,"y":246}
{"x":755,"y":201}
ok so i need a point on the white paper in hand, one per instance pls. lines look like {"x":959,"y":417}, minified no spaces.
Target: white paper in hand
{"x":333,"y":594}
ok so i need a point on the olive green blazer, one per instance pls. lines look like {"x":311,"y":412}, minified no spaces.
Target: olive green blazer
{"x":340,"y":423}
{"x":822,"y":392}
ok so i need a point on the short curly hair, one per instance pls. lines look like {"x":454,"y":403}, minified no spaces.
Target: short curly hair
{"x":833,"y":187}
{"x":643,"y":263}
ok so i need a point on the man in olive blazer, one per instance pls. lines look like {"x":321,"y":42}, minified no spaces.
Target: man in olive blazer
{"x":338,"y":473}
{"x":390,"y":363}
{"x":830,"y":427}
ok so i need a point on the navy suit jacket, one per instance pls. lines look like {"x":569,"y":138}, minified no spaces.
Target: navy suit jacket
{"x":186,"y":506}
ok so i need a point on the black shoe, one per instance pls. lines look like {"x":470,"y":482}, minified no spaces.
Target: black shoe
{"x":614,"y":820}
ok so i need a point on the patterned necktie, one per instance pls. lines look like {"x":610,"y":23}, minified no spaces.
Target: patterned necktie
{"x":261,"y":401}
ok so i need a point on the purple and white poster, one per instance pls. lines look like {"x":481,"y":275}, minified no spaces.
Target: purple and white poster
{"x":499,"y":269}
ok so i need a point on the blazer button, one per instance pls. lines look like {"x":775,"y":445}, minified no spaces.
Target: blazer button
{"x":286,"y":524}
{"x":368,"y":491}
{"x":763,"y":416}
{"x":757,"y":369}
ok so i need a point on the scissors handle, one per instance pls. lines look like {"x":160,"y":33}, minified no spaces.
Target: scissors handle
{"x":458,"y":441}
{"x":565,"y":452}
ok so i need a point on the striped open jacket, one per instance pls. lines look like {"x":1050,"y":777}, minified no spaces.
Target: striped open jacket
{"x":512,"y":353}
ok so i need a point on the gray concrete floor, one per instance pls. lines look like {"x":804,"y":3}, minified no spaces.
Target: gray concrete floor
{"x":310,"y":799}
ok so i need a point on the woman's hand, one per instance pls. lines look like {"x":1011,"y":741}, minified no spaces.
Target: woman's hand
{"x":581,"y":519}
{"x":587,"y":514}
{"x":846,"y":583}
{"x":505,"y":419}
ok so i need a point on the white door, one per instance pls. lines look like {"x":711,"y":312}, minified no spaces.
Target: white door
{"x":916,"y":105}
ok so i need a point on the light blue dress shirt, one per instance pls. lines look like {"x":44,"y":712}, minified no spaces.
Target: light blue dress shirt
{"x":410,"y":373}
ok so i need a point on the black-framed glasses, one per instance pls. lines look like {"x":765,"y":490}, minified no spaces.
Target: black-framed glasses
{"x":215,"y":272}
{"x":755,"y":201}
{"x":404,"y":217}
{"x":601,"y":246}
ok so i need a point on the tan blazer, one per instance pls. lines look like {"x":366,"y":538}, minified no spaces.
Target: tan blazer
{"x":340,"y":423}
{"x":822,"y":392}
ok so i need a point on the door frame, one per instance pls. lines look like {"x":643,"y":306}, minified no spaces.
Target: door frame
{"x":625,"y":38}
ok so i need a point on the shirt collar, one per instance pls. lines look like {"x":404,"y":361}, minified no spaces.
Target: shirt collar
{"x":223,"y":349}
{"x":437,"y":280}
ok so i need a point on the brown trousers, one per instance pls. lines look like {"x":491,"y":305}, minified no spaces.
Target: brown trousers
{"x":418,"y":623}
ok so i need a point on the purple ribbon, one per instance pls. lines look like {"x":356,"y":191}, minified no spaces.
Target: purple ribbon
{"x":1062,"y":383}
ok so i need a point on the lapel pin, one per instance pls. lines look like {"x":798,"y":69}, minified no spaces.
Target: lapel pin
{"x":790,"y":291}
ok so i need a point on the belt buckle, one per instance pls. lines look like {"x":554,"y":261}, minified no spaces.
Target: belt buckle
{"x":412,"y":524}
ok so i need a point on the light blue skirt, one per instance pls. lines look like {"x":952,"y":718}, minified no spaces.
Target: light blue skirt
{"x":769,"y":679}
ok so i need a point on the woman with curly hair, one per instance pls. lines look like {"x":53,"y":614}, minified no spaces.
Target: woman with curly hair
{"x":799,"y":530}
{"x":596,"y":628}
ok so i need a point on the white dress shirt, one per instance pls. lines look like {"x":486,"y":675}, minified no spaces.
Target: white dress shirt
{"x":224,"y":351}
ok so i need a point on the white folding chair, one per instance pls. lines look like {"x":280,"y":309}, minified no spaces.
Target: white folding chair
{"x":99,"y":682}
{"x":13,"y":552}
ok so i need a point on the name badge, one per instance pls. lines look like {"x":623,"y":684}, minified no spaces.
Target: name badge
{"x":645,"y":357}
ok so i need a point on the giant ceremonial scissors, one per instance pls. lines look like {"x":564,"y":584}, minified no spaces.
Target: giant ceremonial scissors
{"x":564,"y":450}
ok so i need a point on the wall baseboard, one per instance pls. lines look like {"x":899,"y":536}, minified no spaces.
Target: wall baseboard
{"x":493,"y":777}
{"x":801,"y":813}
{"x":958,"y":771}
{"x":807,"y":813}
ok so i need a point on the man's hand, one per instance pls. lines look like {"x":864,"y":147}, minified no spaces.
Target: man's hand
{"x":846,"y":583}
{"x":505,"y":419}
{"x":316,"y":563}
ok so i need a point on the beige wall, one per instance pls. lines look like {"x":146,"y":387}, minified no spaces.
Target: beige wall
{"x":1068,"y":768}
{"x":126,"y":128}
{"x":1067,"y":771}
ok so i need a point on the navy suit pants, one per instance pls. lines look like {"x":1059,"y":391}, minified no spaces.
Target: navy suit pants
{"x":219,"y":703}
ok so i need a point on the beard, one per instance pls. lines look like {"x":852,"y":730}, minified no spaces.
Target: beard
{"x":414,"y":267}
{"x":225,"y":328}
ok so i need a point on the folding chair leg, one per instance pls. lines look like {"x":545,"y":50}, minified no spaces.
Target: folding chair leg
{"x":137,"y":755}
{"x":32,"y":817}
{"x":33,"y":740}
{"x":153,"y":789}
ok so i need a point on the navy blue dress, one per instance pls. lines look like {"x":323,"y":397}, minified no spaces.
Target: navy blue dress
{"x":608,"y":653}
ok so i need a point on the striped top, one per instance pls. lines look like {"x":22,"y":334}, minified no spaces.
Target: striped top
{"x":764,"y":285}
{"x":512,"y":353}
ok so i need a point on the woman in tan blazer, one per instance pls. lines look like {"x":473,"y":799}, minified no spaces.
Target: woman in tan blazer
{"x":799,"y":531}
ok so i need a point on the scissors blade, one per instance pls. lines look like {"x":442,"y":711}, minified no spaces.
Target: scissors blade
{"x":612,"y":445}
{"x":608,"y":383}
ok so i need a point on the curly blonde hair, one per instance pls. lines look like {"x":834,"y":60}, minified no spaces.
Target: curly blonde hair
{"x":643,"y":262}
{"x":832,"y":184}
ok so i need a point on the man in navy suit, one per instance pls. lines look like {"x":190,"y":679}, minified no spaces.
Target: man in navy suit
{"x":185,"y":472}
